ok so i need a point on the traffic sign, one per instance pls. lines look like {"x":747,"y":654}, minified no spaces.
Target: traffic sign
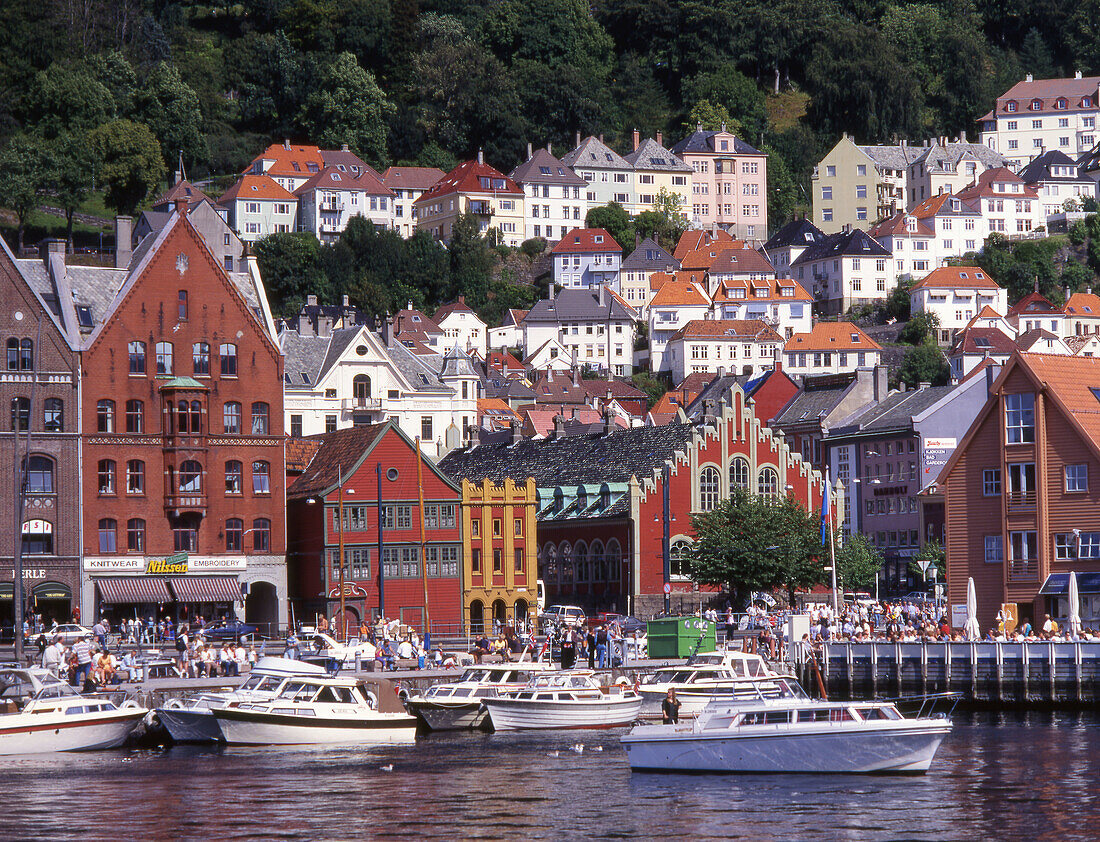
{"x":668,"y":588}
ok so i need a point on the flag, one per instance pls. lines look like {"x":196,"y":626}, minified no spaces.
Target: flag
{"x":825,"y":512}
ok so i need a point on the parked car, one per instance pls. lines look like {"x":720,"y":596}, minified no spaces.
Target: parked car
{"x":562,"y":615}
{"x":628,"y":624}
{"x":231,"y":630}
{"x":70,"y":633}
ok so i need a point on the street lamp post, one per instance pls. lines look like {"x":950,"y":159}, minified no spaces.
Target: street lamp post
{"x":666,"y":549}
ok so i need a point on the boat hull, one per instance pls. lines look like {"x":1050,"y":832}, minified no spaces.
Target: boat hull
{"x":458,"y":717}
{"x":243,"y":727}
{"x":909,"y":748}
{"x":44,"y":733}
{"x":196,"y":725}
{"x":508,"y":714}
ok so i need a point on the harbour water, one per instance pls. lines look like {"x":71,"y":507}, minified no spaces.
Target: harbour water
{"x":1011,"y":776}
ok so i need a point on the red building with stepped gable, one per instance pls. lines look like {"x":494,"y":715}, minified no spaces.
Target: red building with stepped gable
{"x":352,"y":456}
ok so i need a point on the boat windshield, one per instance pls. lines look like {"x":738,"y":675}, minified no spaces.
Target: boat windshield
{"x":261,"y":682}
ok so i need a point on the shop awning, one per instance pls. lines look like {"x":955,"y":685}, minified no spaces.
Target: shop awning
{"x":135,"y":589}
{"x":7,"y":591}
{"x":52,"y":590}
{"x":206,"y":589}
{"x":1057,"y":584}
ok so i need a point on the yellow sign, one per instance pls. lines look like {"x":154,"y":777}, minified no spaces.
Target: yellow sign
{"x":173,"y":565}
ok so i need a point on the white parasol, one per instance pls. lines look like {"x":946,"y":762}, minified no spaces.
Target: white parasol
{"x":1074,"y":606}
{"x":971,"y":631}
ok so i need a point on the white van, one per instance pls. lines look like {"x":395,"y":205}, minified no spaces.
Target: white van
{"x":540,"y":596}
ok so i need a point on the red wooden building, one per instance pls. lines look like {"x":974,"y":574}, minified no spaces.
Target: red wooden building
{"x":346,"y":466}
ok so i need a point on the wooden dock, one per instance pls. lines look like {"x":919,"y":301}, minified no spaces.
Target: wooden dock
{"x":985,"y":673}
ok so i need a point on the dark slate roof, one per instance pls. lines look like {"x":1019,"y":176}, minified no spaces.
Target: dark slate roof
{"x":650,"y":155}
{"x":703,"y":143}
{"x":596,"y":154}
{"x":340,"y":450}
{"x":718,"y":390}
{"x":499,"y":386}
{"x":578,"y":305}
{"x":531,"y":171}
{"x":818,"y":397}
{"x":1039,"y":168}
{"x":797,"y":232}
{"x":893,"y":412}
{"x":637,"y":261}
{"x":572,"y":460}
{"x":854,"y":243}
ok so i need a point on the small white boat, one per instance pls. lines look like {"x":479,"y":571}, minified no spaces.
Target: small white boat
{"x":40,"y":713}
{"x":790,"y":734}
{"x":564,"y":699}
{"x":313,"y":710}
{"x":191,"y":720}
{"x":454,"y":705}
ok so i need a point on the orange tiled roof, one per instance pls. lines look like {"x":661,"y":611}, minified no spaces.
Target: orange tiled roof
{"x":722,"y":293}
{"x":952,"y":277}
{"x":466,"y":178}
{"x":257,"y":187}
{"x":736,"y":261}
{"x":307,"y":158}
{"x":677,"y":293}
{"x":896,"y":226}
{"x":1083,"y":304}
{"x":832,"y":336}
{"x":586,"y":240}
{"x":739,"y":329}
{"x":702,"y":258}
{"x":691,"y":240}
{"x":1072,"y":380}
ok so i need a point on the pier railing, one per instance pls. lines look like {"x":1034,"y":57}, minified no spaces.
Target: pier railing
{"x":1011,"y":673}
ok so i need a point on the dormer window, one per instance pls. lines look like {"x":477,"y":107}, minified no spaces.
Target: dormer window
{"x":336,"y":176}
{"x":599,"y":238}
{"x":956,"y":205}
{"x":1086,"y":102}
{"x":1010,"y":107}
{"x":910,"y":223}
{"x":855,"y":337}
{"x":1060,"y":103}
{"x":1036,"y":105}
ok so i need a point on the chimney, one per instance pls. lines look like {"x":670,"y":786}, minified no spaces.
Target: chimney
{"x":710,"y":407}
{"x":881,"y":386}
{"x":549,"y":149}
{"x":286,"y":144}
{"x":48,"y":247}
{"x":311,"y":300}
{"x":660,"y":138}
{"x":181,"y":206}
{"x":1077,"y":75}
{"x":991,"y":372}
{"x":530,"y":152}
{"x":461,"y":299}
{"x":344,"y":147}
{"x":1065,"y":292}
{"x":552,"y":288}
{"x":636,"y":139}
{"x":409,"y":306}
{"x":699,"y":126}
{"x":637,"y":239}
{"x":1029,"y":78}
{"x":925,"y":384}
{"x":480,"y":157}
{"x":124,"y":246}
{"x":347,"y":301}
{"x":723,"y":125}
{"x":721,"y":371}
{"x":578,"y":139}
{"x":177,"y":177}
{"x":517,"y":431}
{"x":559,"y":426}
{"x":608,"y":420}
{"x":962,"y":137}
{"x":601,"y":138}
{"x":576,"y":357}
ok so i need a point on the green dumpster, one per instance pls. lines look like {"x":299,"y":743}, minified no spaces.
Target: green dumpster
{"x":678,"y":637}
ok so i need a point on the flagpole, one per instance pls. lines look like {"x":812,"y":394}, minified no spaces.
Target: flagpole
{"x":832,"y":560}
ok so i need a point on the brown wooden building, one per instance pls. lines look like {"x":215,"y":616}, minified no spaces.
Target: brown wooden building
{"x":1022,"y":491}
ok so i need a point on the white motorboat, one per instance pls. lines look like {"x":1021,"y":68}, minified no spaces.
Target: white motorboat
{"x":790,"y":734}
{"x":40,"y":713}
{"x":191,"y":720}
{"x":710,"y":676}
{"x":564,"y":699}
{"x":313,"y":710}
{"x":455,"y":705}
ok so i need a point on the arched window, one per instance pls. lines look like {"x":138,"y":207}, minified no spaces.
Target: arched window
{"x":164,"y":358}
{"x":53,"y":415}
{"x":614,"y":560}
{"x":596,"y":559}
{"x":20,"y":414}
{"x":234,"y":534}
{"x":261,"y":478}
{"x":768,"y":484}
{"x":135,"y":416}
{"x":135,"y":476}
{"x":108,"y":535}
{"x":37,"y":537}
{"x":679,"y":554}
{"x":40,"y":475}
{"x":13,"y":355}
{"x":106,"y":474}
{"x":708,"y":489}
{"x":105,"y":416}
{"x":200,"y":359}
{"x":26,"y":355}
{"x":135,"y":535}
{"x":550,"y":563}
{"x":580,"y":562}
{"x":137,"y":357}
{"x":190,"y":474}
{"x":739,"y":474}
{"x":228,"y":356}
{"x":234,"y":477}
{"x":231,"y":417}
{"x":261,"y":535}
{"x":565,"y":563}
{"x":259,"y":418}
{"x":360,"y":389}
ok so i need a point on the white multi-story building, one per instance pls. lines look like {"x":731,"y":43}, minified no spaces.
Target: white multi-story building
{"x":955,"y":295}
{"x":408,"y":184}
{"x":1040,"y":115}
{"x":830,"y":348}
{"x":596,"y":325}
{"x":680,"y":299}
{"x":1008,"y":205}
{"x":638,"y":268}
{"x":925,"y":237}
{"x":556,"y":200}
{"x":257,"y":206}
{"x":353,"y":376}
{"x":1058,"y":181}
{"x":609,"y":176}
{"x":786,"y":244}
{"x":1082,"y":313}
{"x":704,"y":347}
{"x":462,"y":328}
{"x":845,"y":270}
{"x":328,"y":200}
{"x":783,"y":304}
{"x":587,"y":258}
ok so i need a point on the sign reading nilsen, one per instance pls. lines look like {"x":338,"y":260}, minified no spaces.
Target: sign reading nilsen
{"x":173,"y":565}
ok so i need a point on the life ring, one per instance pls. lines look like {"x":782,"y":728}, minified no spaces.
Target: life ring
{"x":130,"y":704}
{"x":622,"y":681}
{"x":372,"y":700}
{"x":172,"y":704}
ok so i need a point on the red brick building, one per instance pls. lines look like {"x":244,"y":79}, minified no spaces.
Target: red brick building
{"x":1022,"y":492}
{"x":182,"y":416}
{"x":352,"y":457}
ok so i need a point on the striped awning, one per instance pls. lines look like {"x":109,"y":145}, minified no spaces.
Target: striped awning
{"x":206,"y":588}
{"x":135,"y":589}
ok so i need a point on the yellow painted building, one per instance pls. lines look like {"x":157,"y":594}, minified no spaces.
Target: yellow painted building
{"x":499,"y":553}
{"x":494,"y":199}
{"x":657,"y":169}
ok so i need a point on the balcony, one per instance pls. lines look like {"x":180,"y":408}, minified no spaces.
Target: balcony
{"x":1023,"y":570}
{"x":185,"y":503}
{"x":481,"y":208}
{"x":1022,"y":499}
{"x":331,"y":207}
{"x":362,"y":404}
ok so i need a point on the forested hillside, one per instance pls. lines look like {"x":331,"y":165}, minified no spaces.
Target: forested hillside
{"x":131,"y":83}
